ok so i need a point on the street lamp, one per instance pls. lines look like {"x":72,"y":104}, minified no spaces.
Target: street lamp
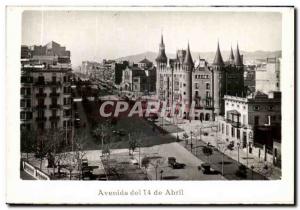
{"x":238,"y":145}
{"x":252,"y":168}
{"x":161,"y":174}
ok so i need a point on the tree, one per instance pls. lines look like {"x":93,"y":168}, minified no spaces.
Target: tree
{"x":207,"y":151}
{"x":28,"y":141}
{"x":145,"y":162}
{"x":80,"y":140}
{"x":134,"y":141}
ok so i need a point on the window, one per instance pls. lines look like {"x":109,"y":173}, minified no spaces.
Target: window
{"x":196,"y":85}
{"x":23,"y":103}
{"x":22,"y":91}
{"x":183,"y":84}
{"x":256,"y":120}
{"x":222,"y":128}
{"x":270,"y":108}
{"x":207,"y":94}
{"x":207,"y":86}
{"x":232,"y":132}
{"x":23,"y":116}
{"x":183,"y":93}
{"x":256,"y":108}
{"x":227,"y":131}
{"x":238,"y":134}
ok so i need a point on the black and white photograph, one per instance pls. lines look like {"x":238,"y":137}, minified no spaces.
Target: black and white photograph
{"x":152,"y":95}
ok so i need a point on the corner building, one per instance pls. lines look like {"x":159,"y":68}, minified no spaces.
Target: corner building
{"x":183,"y":81}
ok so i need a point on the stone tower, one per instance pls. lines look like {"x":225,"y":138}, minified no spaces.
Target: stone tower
{"x":218,"y":74}
{"x":188,"y":67}
{"x":161,"y":62}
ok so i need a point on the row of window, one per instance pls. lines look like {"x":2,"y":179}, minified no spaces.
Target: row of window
{"x":207,"y":86}
{"x":201,"y":76}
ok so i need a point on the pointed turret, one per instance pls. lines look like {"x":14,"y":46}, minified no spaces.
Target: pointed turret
{"x":218,"y":61}
{"x":162,"y":57}
{"x":188,"y":60}
{"x":231,"y":57}
{"x":237,"y":59}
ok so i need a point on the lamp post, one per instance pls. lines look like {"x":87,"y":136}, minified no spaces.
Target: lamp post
{"x":238,"y":144}
{"x":252,"y":168}
{"x":161,"y":174}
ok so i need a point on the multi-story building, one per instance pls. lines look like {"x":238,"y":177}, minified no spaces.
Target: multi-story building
{"x":45,"y":87}
{"x":181,"y":81}
{"x":138,"y":81}
{"x":251,"y":121}
{"x":268,"y":76}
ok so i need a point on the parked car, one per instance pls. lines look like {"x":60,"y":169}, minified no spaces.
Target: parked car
{"x":178,"y":165}
{"x":205,"y":168}
{"x":175,"y":165}
{"x":171,"y":160}
{"x":133,"y":161}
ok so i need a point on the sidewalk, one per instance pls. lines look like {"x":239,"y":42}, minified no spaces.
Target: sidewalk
{"x":240,"y":155}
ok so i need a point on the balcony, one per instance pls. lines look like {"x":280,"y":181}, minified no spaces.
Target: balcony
{"x":54,"y":106}
{"x":54,"y":118}
{"x":234,"y":123}
{"x":41,"y":119}
{"x":67,"y":106}
{"x":25,"y":95}
{"x":41,"y":95}
{"x":40,"y":83}
{"x":41,"y":106}
{"x":54,"y":95}
{"x":54,"y":83}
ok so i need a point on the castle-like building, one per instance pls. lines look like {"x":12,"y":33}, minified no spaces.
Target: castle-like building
{"x":182,"y":80}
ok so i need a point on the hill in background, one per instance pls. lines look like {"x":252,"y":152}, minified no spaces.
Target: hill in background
{"x":209,"y":56}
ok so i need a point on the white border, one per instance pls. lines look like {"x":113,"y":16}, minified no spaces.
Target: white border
{"x":196,"y":192}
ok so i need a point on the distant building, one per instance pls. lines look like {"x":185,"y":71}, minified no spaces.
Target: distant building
{"x":252,"y":121}
{"x":118,"y":69}
{"x":145,"y":64}
{"x":138,"y":81}
{"x":45,"y":87}
{"x":268,"y":76}
{"x":249,"y":79}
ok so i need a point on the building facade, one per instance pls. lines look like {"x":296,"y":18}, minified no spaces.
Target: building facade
{"x":268,"y":75}
{"x":46,"y":100}
{"x":252,"y":122}
{"x":181,"y":81}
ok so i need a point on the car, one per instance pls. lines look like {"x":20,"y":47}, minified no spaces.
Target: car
{"x":171,"y":160}
{"x":178,"y":165}
{"x":205,"y":168}
{"x":133,"y":161}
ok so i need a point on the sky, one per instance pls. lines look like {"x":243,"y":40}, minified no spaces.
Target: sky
{"x":96,"y":35}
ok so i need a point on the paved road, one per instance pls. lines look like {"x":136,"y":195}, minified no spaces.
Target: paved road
{"x":162,"y":152}
{"x":230,"y":165}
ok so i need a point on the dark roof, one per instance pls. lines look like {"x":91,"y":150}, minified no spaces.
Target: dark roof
{"x":188,"y":60}
{"x":162,"y":57}
{"x":218,"y":57}
{"x":231,"y":56}
{"x":146,"y":61}
{"x":237,"y":60}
